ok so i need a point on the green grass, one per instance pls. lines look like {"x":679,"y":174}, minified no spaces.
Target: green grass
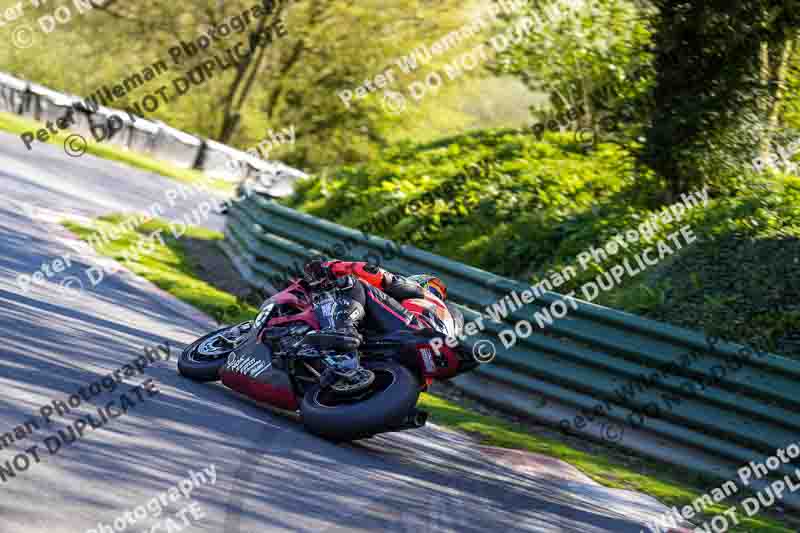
{"x":18,"y":125}
{"x":639,"y":474}
{"x":169,"y":267}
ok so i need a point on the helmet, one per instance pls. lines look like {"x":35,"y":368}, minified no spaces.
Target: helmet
{"x":431,"y":283}
{"x":317,"y":274}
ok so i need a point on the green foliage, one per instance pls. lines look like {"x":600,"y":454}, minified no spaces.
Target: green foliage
{"x":743,"y":282}
{"x":583,"y":53}
{"x":512,"y":192}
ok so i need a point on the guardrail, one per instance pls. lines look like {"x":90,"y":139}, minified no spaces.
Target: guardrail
{"x":580,"y":362}
{"x":155,"y":139}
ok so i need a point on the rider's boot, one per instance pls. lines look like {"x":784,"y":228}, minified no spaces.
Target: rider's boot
{"x":339,"y":312}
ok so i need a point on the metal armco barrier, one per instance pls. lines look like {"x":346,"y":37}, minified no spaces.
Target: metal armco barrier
{"x":13,"y":95}
{"x":581,"y":361}
{"x":155,"y":139}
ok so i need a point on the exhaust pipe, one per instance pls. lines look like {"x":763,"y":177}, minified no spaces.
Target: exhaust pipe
{"x":419,"y":418}
{"x":414,"y":420}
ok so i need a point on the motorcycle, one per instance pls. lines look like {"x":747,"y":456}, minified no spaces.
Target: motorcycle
{"x":339,"y":396}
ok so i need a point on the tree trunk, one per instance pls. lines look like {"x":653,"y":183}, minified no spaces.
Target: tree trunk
{"x":766,"y":71}
{"x":293,"y":58}
{"x":586,"y":96}
{"x":242,"y":83}
{"x":774,"y":78}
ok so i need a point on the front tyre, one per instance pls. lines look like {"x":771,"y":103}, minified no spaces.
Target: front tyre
{"x":203,"y":359}
{"x":385,"y":405}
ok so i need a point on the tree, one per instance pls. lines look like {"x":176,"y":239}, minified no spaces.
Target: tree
{"x":718,"y":87}
{"x":775,"y":66}
{"x":337,"y":45}
{"x":293,"y":81}
{"x":581,"y":54}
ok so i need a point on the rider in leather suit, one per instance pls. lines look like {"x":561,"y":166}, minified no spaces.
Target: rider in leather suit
{"x":347,"y":293}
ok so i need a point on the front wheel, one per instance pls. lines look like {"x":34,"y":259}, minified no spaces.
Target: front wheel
{"x":384,"y":405}
{"x":202,"y":360}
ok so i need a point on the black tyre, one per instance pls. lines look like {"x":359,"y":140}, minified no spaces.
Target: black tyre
{"x":202,"y":360}
{"x":390,"y":398}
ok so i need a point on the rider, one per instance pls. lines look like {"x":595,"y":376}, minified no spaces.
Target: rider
{"x":345,"y":293}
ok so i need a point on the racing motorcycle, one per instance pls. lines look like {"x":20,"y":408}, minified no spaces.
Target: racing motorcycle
{"x":339,"y":396}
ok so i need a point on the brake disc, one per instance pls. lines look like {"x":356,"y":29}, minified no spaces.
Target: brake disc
{"x":224,"y":342}
{"x":363,"y":379}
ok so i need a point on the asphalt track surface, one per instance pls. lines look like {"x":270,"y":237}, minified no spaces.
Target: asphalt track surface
{"x":271,"y":475}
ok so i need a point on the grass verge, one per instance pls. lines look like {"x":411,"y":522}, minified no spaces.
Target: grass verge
{"x":168,"y":266}
{"x":172,"y":269}
{"x":18,"y":125}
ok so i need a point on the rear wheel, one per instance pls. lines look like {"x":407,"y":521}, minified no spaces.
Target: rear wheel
{"x":202,"y":360}
{"x":385,"y":404}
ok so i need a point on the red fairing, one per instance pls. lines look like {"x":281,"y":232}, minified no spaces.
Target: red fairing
{"x":443,"y":365}
{"x":308,"y":316}
{"x":302,"y":304}
{"x":279,"y":395}
{"x":294,"y":295}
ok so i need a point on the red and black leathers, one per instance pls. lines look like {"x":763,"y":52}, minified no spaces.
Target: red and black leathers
{"x":368,"y":296}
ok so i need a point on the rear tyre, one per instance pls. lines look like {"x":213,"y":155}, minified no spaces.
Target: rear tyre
{"x":385,"y":405}
{"x":203,"y":359}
